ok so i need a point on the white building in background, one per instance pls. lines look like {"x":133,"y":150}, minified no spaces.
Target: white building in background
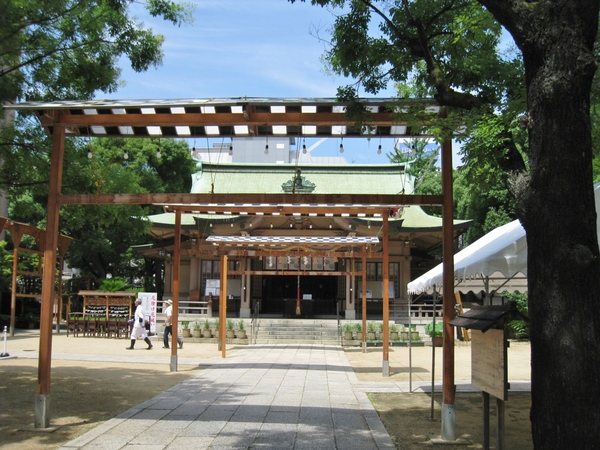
{"x":274,"y":150}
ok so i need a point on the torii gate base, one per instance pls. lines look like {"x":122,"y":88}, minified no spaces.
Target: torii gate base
{"x":385,"y":369}
{"x":42,"y":409}
{"x":448,"y":436}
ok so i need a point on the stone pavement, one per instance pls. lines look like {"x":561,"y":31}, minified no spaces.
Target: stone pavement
{"x":264,"y":396}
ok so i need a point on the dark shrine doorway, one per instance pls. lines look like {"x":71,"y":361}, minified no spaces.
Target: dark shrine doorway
{"x":317,"y":295}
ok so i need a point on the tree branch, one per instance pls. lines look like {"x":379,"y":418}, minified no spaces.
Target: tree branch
{"x":445,"y":95}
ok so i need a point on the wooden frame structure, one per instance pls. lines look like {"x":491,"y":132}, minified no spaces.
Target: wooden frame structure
{"x":17,"y":231}
{"x":120,"y":300}
{"x":238,"y":117}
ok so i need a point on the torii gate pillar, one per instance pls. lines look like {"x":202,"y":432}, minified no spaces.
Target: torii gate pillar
{"x":42,"y":394}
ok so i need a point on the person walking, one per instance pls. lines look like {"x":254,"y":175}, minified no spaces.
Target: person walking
{"x":138,"y":326}
{"x":169,"y":325}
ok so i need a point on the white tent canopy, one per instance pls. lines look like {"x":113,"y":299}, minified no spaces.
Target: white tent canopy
{"x":502,"y":252}
{"x":498,"y":260}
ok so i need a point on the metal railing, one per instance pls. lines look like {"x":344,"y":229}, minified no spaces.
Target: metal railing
{"x":194,"y":307}
{"x":417,"y":311}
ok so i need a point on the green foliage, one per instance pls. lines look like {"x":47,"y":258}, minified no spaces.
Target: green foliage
{"x":102,"y":235}
{"x":482,"y":187}
{"x":435,"y":47}
{"x":26,"y":262}
{"x":197,"y":325}
{"x":230,"y":324}
{"x":185,"y":324}
{"x":421,"y":165}
{"x":418,"y":159}
{"x":65,"y":49}
{"x":358,"y":327}
{"x":112,"y":285}
{"x":434,"y":331}
{"x":6,"y":260}
{"x":241,"y":324}
{"x":371,"y":327}
{"x":216,"y":324}
{"x":448,"y":51}
{"x":487,"y":207}
{"x":206,"y":324}
{"x":347,"y":328}
{"x":519,"y":328}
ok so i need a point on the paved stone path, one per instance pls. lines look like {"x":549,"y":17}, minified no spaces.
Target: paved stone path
{"x":264,"y":396}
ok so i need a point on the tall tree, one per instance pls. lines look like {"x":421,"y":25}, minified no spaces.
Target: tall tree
{"x":69,"y":49}
{"x":420,"y":160}
{"x":103,"y":234}
{"x":451,"y":49}
{"x":482,"y":185}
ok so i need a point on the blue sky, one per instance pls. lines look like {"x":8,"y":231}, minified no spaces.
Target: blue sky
{"x":254,"y":48}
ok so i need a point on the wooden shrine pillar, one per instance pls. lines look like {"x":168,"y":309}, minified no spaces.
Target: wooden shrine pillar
{"x":42,"y":397}
{"x":364,"y":304}
{"x":223,"y":306}
{"x":245,"y":296}
{"x":448,"y":386}
{"x":386,"y":298}
{"x":176,"y":271}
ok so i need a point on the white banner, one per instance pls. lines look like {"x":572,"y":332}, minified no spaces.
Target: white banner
{"x":149,"y":303}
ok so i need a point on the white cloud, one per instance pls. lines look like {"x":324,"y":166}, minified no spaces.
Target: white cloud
{"x":237,"y":47}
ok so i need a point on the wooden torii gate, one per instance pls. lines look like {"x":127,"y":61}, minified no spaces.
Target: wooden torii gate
{"x":244,"y":116}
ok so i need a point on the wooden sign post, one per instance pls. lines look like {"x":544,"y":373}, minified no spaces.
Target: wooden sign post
{"x":489,"y":372}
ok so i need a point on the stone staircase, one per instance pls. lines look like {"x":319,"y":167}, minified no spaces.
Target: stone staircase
{"x":297,"y":331}
{"x":399,"y":311}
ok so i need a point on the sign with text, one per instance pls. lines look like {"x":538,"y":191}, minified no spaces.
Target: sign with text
{"x":149,"y":303}
{"x":213,"y":288}
{"x":489,"y":363}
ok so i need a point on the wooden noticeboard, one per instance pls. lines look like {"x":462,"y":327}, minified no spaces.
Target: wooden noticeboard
{"x":489,"y":365}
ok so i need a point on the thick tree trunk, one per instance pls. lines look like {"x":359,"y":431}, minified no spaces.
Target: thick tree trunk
{"x":564,"y":282}
{"x":558,"y":212}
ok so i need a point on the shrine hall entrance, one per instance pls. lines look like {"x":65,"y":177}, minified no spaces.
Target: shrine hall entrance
{"x":318,"y":295}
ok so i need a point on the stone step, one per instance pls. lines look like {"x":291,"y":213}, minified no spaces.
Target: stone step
{"x":297,"y":341}
{"x":298,"y":337}
{"x":296,"y":327}
{"x":298,"y":330}
{"x":317,"y":322}
{"x":308,"y":331}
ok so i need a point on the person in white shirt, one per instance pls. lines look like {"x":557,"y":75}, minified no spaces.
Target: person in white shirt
{"x":169,"y":325}
{"x":138,"y":326}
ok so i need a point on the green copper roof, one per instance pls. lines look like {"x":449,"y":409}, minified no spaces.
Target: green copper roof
{"x":415,"y":219}
{"x":269,"y":178}
{"x":327,"y":179}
